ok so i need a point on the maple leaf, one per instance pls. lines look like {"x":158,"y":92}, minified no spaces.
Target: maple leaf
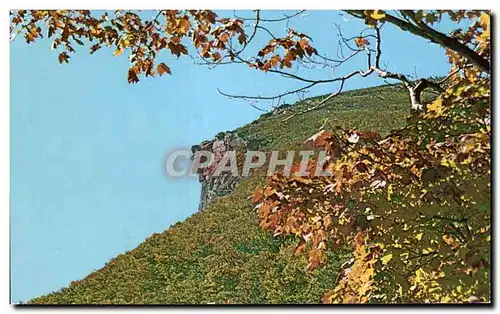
{"x":63,"y":57}
{"x":431,"y":18}
{"x":304,"y":43}
{"x":132,"y":76}
{"x":386,"y":258}
{"x":183,"y":25}
{"x":377,"y":15}
{"x":361,"y":42}
{"x":299,"y":248}
{"x":162,"y":68}
{"x":118,"y":52}
{"x":256,"y":196}
{"x":353,"y":138}
{"x":224,"y":37}
{"x":435,"y":108}
{"x":316,"y":258}
{"x":319,"y":139}
{"x":370,"y":135}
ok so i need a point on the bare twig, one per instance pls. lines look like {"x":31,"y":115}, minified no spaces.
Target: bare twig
{"x":319,"y":104}
{"x":286,"y":17}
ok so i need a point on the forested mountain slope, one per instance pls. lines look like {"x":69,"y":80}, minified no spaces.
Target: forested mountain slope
{"x":221,"y":255}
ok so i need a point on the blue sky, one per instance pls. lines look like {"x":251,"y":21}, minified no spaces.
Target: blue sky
{"x":87,"y":147}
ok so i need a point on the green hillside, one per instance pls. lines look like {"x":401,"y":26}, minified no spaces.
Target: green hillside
{"x":221,"y":255}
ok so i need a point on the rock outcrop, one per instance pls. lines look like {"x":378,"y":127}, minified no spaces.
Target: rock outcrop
{"x":223,"y":184}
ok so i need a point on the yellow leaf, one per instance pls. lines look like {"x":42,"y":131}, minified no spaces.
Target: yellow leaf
{"x":377,"y":15}
{"x":419,"y":236}
{"x":385,"y":259}
{"x":485,"y":24}
{"x":419,"y":15}
{"x":118,"y":52}
{"x":436,"y":107}
{"x":183,"y":26}
{"x":485,"y":21}
{"x":448,"y":163}
{"x":427,"y":250}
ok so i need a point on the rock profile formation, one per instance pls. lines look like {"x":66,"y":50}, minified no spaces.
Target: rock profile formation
{"x":223,"y":184}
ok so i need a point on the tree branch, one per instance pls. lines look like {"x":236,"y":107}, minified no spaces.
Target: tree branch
{"x":423,"y":30}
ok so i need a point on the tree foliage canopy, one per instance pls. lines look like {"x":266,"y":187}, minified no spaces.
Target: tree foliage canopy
{"x":414,"y":205}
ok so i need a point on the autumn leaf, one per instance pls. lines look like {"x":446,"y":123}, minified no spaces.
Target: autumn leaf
{"x":242,"y":38}
{"x":435,"y":108}
{"x":162,"y":68}
{"x":485,"y":24}
{"x":419,"y":16}
{"x":299,"y":248}
{"x":183,"y":25}
{"x":63,"y":57}
{"x":94,"y":48}
{"x":361,"y":42}
{"x":377,"y":15}
{"x":385,"y":259}
{"x":268,"y":191}
{"x":369,"y":135}
{"x":304,"y":43}
{"x":132,"y":76}
{"x":118,"y":52}
{"x":256,"y":196}
{"x":176,"y":48}
{"x":316,"y":258}
{"x":319,"y":139}
{"x":431,"y":18}
{"x":224,"y":37}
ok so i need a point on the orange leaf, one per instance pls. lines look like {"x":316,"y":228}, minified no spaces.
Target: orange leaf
{"x":118,"y":52}
{"x":224,"y":37}
{"x":320,"y":138}
{"x":299,"y":248}
{"x":269,"y":191}
{"x":183,"y":25}
{"x":316,"y":258}
{"x":303,"y":43}
{"x":162,"y":68}
{"x":361,"y":42}
{"x":63,"y":57}
{"x":369,"y":135}
{"x":257,"y":196}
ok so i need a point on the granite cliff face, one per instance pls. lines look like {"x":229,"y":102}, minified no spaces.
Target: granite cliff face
{"x":223,"y":184}
{"x":216,"y":186}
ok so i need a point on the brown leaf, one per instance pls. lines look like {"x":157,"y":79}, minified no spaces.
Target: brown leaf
{"x":361,"y":42}
{"x":132,"y":76}
{"x":94,"y":48}
{"x":299,"y":248}
{"x":183,"y":26}
{"x":269,"y":191}
{"x":118,"y":52}
{"x":370,"y":135}
{"x":63,"y":57}
{"x":162,"y":68}
{"x":224,"y":37}
{"x":242,"y":38}
{"x":316,"y":258}
{"x":257,"y":196}
{"x":320,"y":138}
